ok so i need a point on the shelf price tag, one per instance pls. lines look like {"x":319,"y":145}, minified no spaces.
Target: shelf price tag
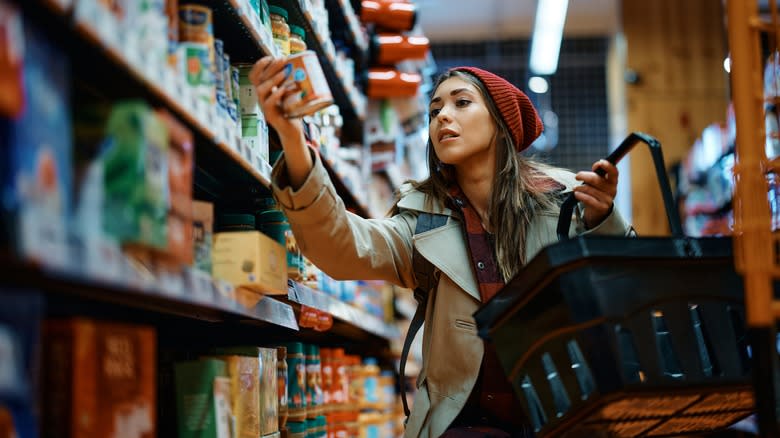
{"x":200,"y":284}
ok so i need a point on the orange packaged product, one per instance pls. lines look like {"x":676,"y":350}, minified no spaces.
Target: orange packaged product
{"x":385,"y":83}
{"x":389,"y":14}
{"x":390,"y":49}
{"x":99,"y":379}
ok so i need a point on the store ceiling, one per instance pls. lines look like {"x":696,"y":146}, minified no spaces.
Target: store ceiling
{"x":463,"y":20}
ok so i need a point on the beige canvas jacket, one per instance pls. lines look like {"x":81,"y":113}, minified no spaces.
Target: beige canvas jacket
{"x":346,"y":246}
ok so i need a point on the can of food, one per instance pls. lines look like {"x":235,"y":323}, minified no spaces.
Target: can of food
{"x":224,"y":76}
{"x":309,"y":91}
{"x":246,"y":91}
{"x":219,"y":58}
{"x":195,"y":24}
{"x":197,"y":68}
{"x":234,"y":84}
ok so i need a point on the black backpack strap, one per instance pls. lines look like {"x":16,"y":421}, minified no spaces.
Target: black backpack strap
{"x":425,"y":274}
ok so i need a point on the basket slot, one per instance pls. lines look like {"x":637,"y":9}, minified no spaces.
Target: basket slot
{"x":560,"y":398}
{"x":670,"y":363}
{"x":538,"y":417}
{"x":581,"y":370}
{"x":715,"y":317}
{"x":707,"y":358}
{"x":740,"y":338}
{"x":629,"y":356}
{"x":682,"y":339}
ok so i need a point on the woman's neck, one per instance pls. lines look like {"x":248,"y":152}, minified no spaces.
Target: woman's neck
{"x":476,"y":182}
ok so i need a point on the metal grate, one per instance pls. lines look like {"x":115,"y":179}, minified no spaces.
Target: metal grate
{"x":578,"y":90}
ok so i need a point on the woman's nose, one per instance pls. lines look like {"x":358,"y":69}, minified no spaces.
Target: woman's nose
{"x":443,"y":115}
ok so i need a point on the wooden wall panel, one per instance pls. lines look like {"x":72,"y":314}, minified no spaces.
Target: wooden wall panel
{"x":677,"y":49}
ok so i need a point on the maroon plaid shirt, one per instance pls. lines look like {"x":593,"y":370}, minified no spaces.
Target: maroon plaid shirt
{"x":492,"y":401}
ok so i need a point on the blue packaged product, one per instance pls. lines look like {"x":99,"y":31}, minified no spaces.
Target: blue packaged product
{"x":36,"y":168}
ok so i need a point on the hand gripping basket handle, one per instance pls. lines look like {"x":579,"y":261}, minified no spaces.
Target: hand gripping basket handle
{"x":567,"y":208}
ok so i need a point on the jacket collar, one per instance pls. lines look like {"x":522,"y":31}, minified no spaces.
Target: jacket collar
{"x":444,"y":246}
{"x":413,"y":199}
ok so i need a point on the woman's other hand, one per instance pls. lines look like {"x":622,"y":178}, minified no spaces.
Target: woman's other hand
{"x":268,"y":76}
{"x":597,"y":193}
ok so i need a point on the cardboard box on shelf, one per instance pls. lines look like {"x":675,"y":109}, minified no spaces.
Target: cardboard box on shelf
{"x":252,"y":260}
{"x":100,"y":379}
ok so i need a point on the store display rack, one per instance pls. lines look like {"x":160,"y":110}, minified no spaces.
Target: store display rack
{"x":345,"y":98}
{"x":201,"y":299}
{"x":304,"y":295}
{"x":348,"y":24}
{"x":107,"y":69}
{"x":353,"y":202}
{"x":102,"y":61}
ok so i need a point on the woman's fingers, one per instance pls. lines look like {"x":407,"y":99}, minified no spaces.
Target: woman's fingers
{"x":606,"y":183}
{"x":610,"y":169}
{"x":270,"y":85}
{"x":592,"y":192}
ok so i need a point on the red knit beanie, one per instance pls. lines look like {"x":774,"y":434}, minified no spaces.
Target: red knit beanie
{"x":516,"y":109}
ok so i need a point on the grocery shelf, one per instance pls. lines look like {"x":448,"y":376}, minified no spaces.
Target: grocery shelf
{"x":349,"y":23}
{"x":199,"y":299}
{"x":345,"y":26}
{"x":303,"y":295}
{"x":350,"y":200}
{"x":345,"y":98}
{"x":101,"y":60}
{"x":237,"y":24}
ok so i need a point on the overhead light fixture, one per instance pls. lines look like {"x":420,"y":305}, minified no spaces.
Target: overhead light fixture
{"x":727,"y":64}
{"x":547,"y":35}
{"x":538,"y":84}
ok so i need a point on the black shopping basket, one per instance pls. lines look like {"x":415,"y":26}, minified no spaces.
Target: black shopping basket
{"x":625,"y":336}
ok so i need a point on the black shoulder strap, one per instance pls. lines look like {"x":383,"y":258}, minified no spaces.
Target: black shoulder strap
{"x":424,"y":273}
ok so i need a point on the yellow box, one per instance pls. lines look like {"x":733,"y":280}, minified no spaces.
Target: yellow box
{"x":250,"y":259}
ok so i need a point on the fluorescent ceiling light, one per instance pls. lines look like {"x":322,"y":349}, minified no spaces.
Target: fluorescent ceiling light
{"x":548,"y":32}
{"x":538,"y":85}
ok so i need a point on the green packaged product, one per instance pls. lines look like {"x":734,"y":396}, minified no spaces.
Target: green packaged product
{"x":296,"y":390}
{"x":135,"y":161}
{"x":198,"y":407}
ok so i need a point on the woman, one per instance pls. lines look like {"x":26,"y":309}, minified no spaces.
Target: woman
{"x":501,"y":209}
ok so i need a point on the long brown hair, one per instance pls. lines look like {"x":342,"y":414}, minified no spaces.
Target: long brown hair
{"x":521,"y":188}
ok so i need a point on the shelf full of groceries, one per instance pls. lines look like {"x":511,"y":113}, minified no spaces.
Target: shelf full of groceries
{"x":99,"y":192}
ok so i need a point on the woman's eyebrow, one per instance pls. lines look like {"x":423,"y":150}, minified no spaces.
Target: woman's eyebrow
{"x":452,"y":93}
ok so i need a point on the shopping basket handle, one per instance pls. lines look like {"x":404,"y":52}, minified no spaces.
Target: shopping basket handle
{"x":567,"y":208}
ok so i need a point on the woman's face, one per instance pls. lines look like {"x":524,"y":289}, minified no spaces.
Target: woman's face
{"x":461,"y":127}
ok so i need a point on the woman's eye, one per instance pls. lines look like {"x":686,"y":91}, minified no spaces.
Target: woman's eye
{"x":462,"y":102}
{"x":433,"y":113}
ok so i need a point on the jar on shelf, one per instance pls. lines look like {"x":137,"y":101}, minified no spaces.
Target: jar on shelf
{"x":280,"y":29}
{"x":296,"y":430}
{"x":297,"y":39}
{"x":236,"y":222}
{"x":296,"y":383}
